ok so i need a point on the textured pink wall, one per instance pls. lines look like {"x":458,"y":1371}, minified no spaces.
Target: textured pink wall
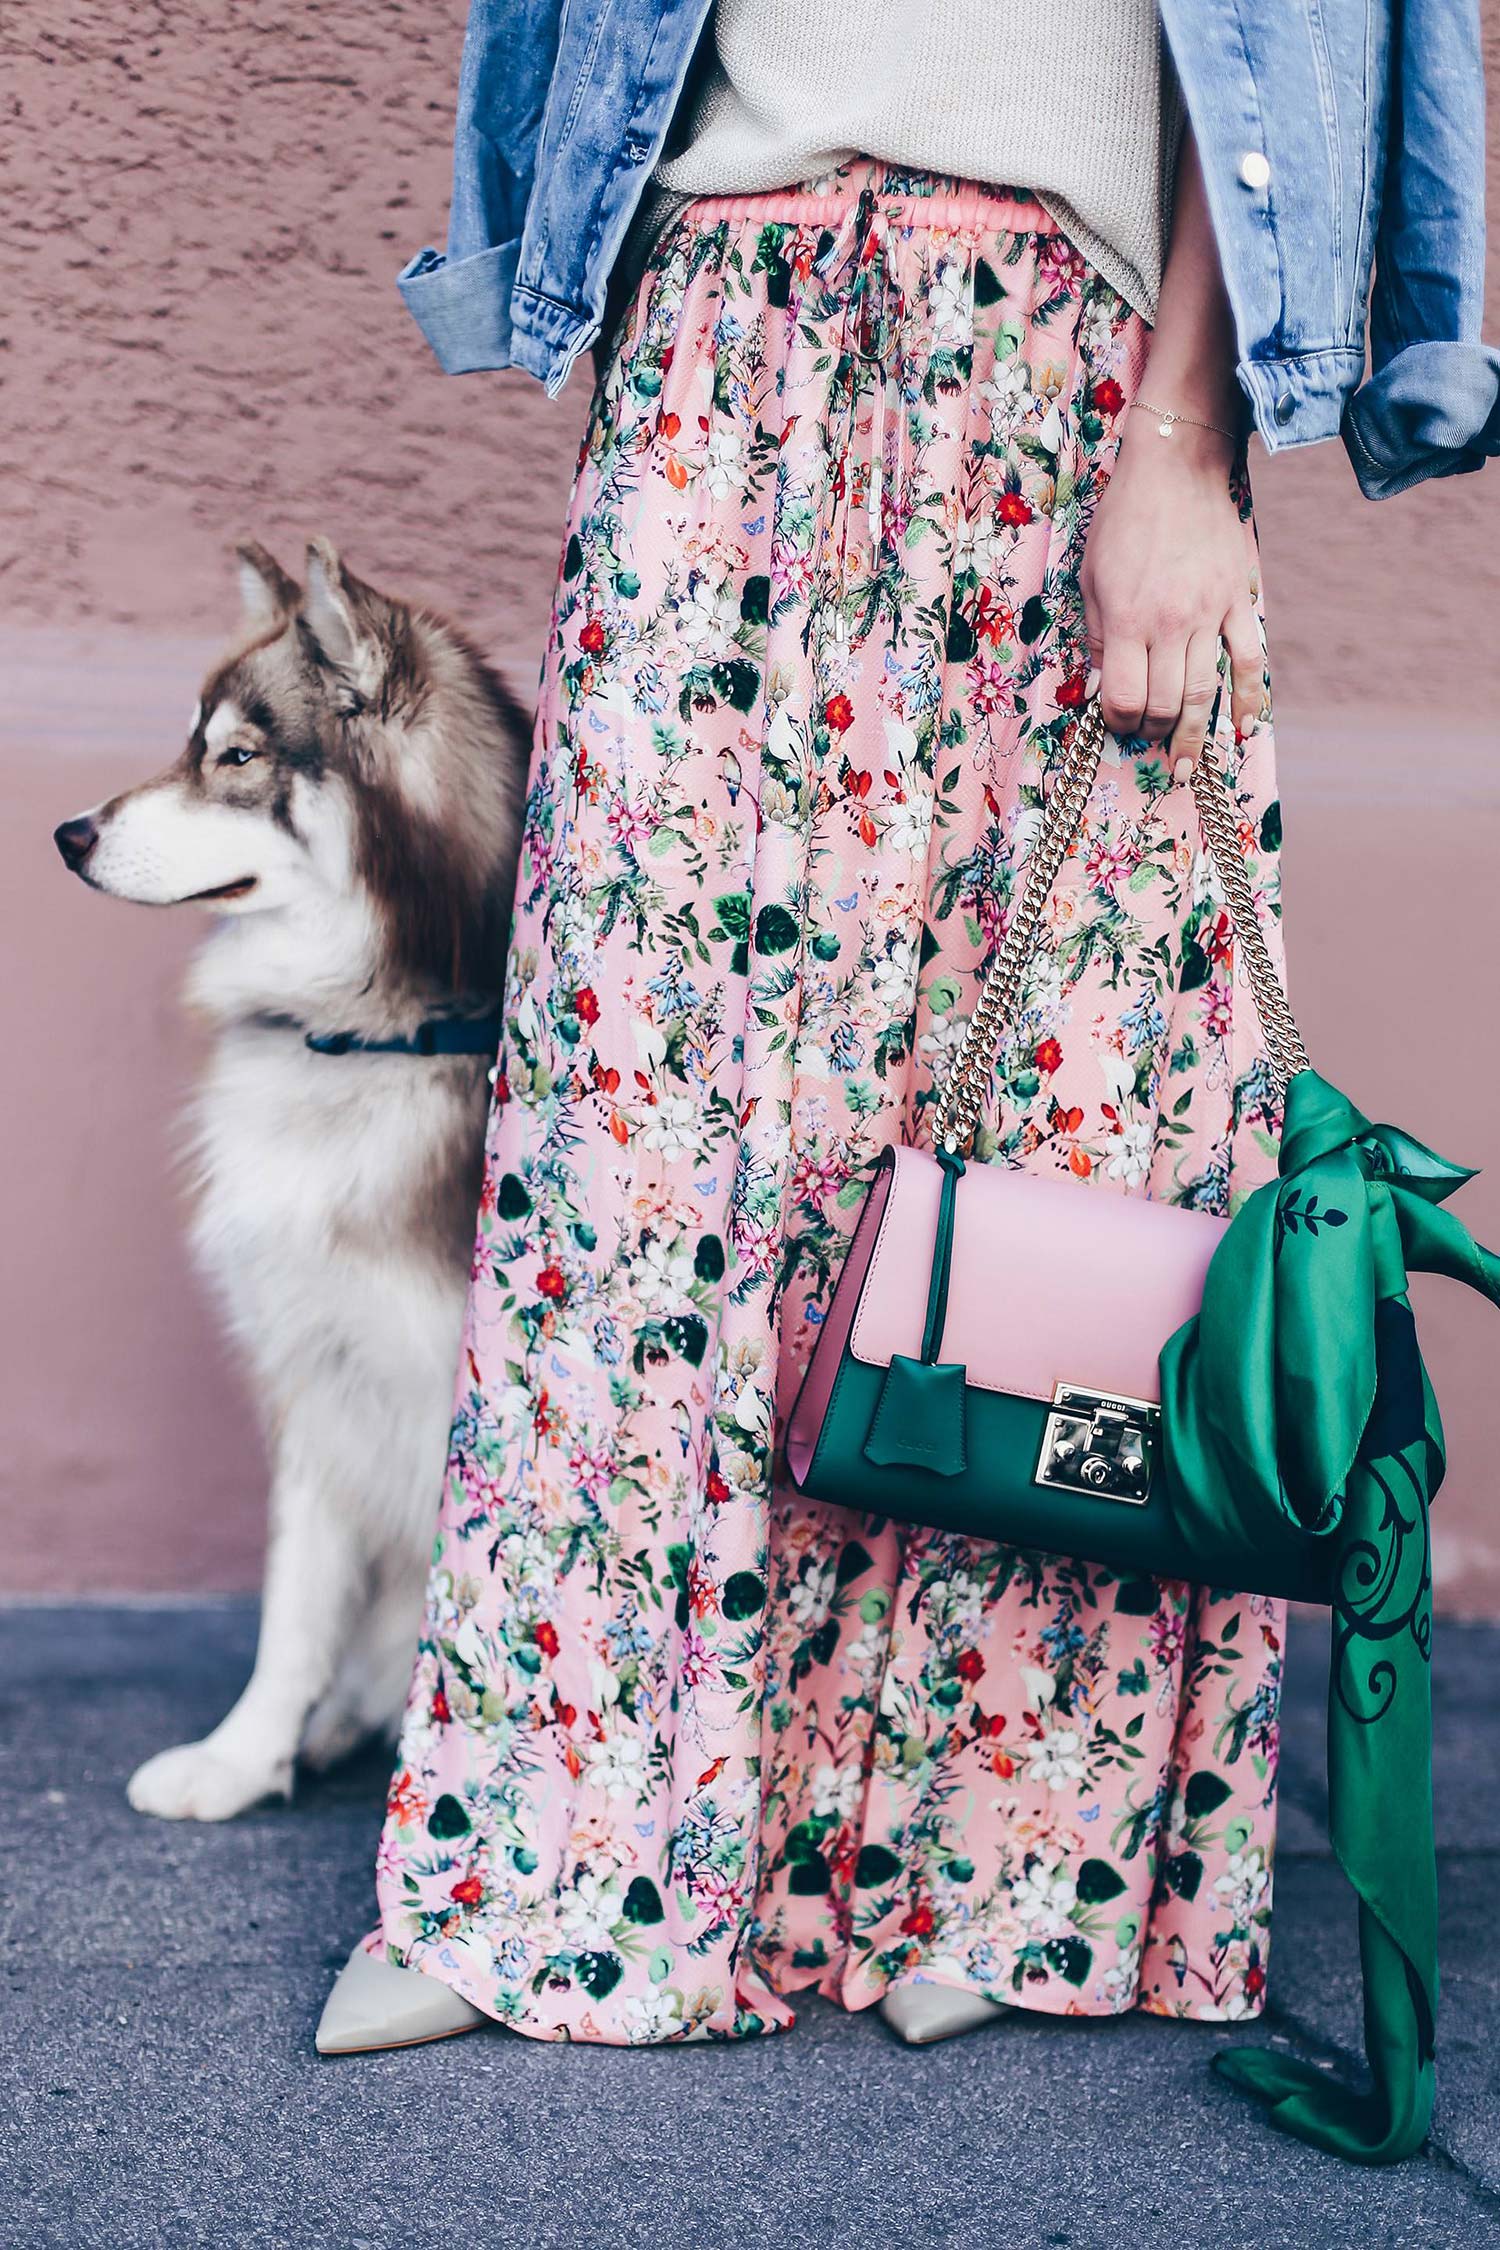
{"x":201,"y":210}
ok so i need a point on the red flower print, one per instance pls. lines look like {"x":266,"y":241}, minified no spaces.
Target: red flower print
{"x":669,"y":424}
{"x":1014,"y":508}
{"x":839,"y":713}
{"x":993,"y":1724}
{"x":546,"y":1638}
{"x":586,"y":1004}
{"x":919,"y":1920}
{"x":1255,"y":1982}
{"x":592,"y":637}
{"x":1048,"y":1055}
{"x":1070,"y":693}
{"x":716,"y":1488}
{"x":970,"y":1665}
{"x":552,"y":1282}
{"x":469,"y":1892}
{"x":1108,"y":396}
{"x":404,"y":1801}
{"x":440,"y":1711}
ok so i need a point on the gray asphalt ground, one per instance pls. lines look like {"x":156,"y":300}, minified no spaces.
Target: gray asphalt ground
{"x":159,"y":1987}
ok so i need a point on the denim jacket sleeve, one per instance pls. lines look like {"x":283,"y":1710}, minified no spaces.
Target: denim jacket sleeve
{"x":1432,"y":404}
{"x":462,"y":300}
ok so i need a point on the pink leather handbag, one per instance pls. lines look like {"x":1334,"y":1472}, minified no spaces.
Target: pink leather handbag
{"x":988,"y":1363}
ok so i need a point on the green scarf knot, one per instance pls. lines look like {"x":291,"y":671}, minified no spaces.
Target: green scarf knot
{"x":1298,"y":1396}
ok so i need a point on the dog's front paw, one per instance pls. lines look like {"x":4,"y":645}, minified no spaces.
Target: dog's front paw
{"x":197,"y":1782}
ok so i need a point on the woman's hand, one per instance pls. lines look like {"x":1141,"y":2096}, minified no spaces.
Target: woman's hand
{"x":1167,"y":576}
{"x":1167,"y":569}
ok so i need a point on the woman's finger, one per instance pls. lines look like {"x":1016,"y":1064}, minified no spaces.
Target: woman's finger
{"x":1247,"y":665}
{"x":1122,"y":684}
{"x":1200,"y":684}
{"x":1165,"y":672}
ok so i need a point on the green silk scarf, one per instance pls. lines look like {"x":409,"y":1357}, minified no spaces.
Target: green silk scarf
{"x":1299,"y":1392}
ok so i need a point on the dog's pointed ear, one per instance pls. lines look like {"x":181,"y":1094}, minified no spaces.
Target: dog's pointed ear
{"x":265,"y":589}
{"x":345,"y":618}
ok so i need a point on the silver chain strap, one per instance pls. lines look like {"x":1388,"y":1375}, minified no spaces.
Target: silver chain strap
{"x":956,"y":1113}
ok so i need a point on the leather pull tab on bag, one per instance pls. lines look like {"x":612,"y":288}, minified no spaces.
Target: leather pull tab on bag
{"x":920,"y":1423}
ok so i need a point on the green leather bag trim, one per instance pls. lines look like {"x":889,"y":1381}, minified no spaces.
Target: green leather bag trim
{"x":942,"y":1256}
{"x":919,"y":1422}
{"x":994,"y":1497}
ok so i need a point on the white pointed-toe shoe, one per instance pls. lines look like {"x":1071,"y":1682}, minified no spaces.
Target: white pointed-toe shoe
{"x":921,"y":2014}
{"x":374,"y":2004}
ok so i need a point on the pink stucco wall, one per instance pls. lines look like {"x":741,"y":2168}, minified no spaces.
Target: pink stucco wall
{"x":204,"y":208}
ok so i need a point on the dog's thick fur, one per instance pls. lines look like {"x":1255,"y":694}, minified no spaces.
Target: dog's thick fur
{"x":349,"y":805}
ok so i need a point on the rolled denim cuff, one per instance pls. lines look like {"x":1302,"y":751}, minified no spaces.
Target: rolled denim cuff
{"x":1432,"y":411}
{"x":462,"y":306}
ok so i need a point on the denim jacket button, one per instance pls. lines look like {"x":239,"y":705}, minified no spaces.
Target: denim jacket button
{"x":636,"y":152}
{"x":1285,"y":408}
{"x":1254,"y":170}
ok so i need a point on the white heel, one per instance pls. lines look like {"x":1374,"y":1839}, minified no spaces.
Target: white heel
{"x":374,"y":2004}
{"x":921,"y":2014}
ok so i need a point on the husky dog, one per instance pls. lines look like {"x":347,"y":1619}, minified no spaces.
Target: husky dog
{"x":349,"y":807}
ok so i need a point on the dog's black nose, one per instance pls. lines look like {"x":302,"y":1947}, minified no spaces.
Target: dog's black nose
{"x":75,"y":840}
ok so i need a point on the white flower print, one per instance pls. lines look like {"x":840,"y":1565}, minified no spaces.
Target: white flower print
{"x":652,"y":2016}
{"x":1056,"y":1759}
{"x":951,"y":304}
{"x":1043,"y":1897}
{"x":835,"y":1790}
{"x":1129,"y":1157}
{"x":662,"y":1281}
{"x":672,"y":1124}
{"x":588,"y":1911}
{"x":617,"y":1764}
{"x":811,"y":1596}
{"x":724,"y":459}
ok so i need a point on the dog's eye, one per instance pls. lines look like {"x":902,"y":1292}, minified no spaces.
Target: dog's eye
{"x":237,"y":755}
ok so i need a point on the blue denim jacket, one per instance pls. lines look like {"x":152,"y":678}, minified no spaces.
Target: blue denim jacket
{"x":1336,"y":136}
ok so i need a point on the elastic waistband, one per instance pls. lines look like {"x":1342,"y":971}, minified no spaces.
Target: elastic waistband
{"x":916,"y":199}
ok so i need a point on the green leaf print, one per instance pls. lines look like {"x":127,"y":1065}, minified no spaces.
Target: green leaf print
{"x":875,"y":1866}
{"x":755,"y":601}
{"x":738,"y":683}
{"x":853,"y":1563}
{"x":687,"y":1335}
{"x":808,"y":1878}
{"x":447,"y":1819}
{"x":744,"y":1596}
{"x":512,"y":1199}
{"x":776,"y":931}
{"x":1070,"y":1957}
{"x":961,"y":639}
{"x":708,"y":1259}
{"x":1034,"y":619}
{"x":643,"y":1902}
{"x":1098,"y":1881}
{"x":1204,"y":1794}
{"x":1183,"y":1874}
{"x":599,"y":1973}
{"x":573,"y":559}
{"x":1136,"y":1597}
{"x":988,"y":287}
{"x":1270,"y":827}
{"x":733,"y":910}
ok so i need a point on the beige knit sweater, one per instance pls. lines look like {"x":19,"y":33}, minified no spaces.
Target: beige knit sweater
{"x":1071,"y":99}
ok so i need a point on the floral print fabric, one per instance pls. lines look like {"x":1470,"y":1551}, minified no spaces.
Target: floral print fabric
{"x":679,"y":1743}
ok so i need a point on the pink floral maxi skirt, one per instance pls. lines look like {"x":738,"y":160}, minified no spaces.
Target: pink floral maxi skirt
{"x":680,"y":1744}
